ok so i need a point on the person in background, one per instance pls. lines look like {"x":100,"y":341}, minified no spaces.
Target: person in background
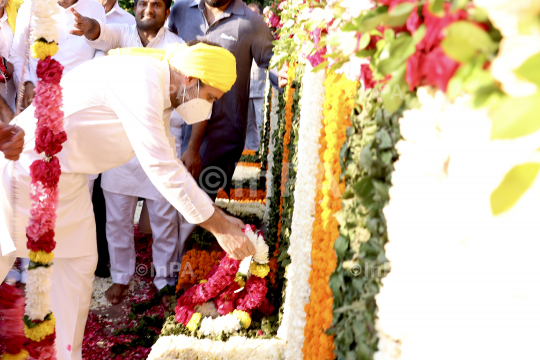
{"x":212,"y":148}
{"x":8,"y":19}
{"x":122,"y":186}
{"x":256,"y":97}
{"x":72,"y":52}
{"x":114,"y":14}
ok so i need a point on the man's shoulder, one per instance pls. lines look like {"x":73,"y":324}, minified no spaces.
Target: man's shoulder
{"x":181,"y":5}
{"x":89,"y":6}
{"x":125,"y":17}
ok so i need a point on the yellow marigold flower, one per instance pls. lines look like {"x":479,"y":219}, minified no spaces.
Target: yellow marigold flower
{"x":41,"y":256}
{"x":259,"y":270}
{"x":245,"y":319}
{"x":194,"y":322}
{"x":203,"y":281}
{"x":240,"y":280}
{"x":42,"y":49}
{"x":41,"y":330}
{"x":23,"y":354}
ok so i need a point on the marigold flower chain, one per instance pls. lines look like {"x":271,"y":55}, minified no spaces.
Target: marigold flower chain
{"x":337,"y":108}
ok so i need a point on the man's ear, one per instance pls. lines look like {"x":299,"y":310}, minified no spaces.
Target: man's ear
{"x":189,"y":80}
{"x":167,"y":13}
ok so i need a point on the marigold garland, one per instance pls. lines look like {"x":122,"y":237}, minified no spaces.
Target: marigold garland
{"x":41,"y":256}
{"x":289,"y":92}
{"x":194,"y":322}
{"x":41,"y":330}
{"x":196,"y":265}
{"x":245,"y":319}
{"x":244,"y":195}
{"x":249,"y":164}
{"x":41,"y":50}
{"x":337,"y":109}
{"x":20,"y":356}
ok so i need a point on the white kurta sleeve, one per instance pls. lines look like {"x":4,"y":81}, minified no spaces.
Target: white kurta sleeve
{"x":19,"y":46}
{"x":139,"y":104}
{"x":111,"y":36}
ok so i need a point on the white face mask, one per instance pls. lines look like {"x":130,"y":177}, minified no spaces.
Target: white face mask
{"x":194,"y":110}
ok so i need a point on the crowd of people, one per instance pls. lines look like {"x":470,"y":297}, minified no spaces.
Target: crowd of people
{"x":228,"y":38}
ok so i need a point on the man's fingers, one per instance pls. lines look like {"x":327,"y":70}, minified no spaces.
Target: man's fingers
{"x":77,"y":32}
{"x":250,"y":248}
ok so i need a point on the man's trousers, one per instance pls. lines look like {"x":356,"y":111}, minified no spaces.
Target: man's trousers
{"x":255,"y":121}
{"x":71,"y":293}
{"x":165,"y":249}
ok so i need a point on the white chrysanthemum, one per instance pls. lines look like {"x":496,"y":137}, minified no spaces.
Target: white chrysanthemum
{"x":352,"y":68}
{"x":506,"y":14}
{"x":46,"y":28}
{"x":243,"y":173}
{"x":298,"y":289}
{"x":261,"y":248}
{"x":243,"y":268}
{"x":449,"y":254}
{"x":207,"y":309}
{"x":222,"y":324}
{"x":236,"y":348}
{"x":237,"y":208}
{"x":353,"y":8}
{"x":38,"y":293}
{"x":513,"y":52}
{"x":45,"y":8}
{"x":273,"y":127}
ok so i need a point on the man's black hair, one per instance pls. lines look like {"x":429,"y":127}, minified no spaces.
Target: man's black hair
{"x":168,"y":3}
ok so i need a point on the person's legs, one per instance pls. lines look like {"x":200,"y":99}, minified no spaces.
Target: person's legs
{"x":71,"y":293}
{"x":120,"y":236}
{"x":100,"y":217}
{"x":252,"y":134}
{"x":258,"y":104}
{"x":164,"y":221}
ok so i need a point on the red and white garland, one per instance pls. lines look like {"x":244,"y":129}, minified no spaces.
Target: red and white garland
{"x":39,"y":322}
{"x":236,"y":288}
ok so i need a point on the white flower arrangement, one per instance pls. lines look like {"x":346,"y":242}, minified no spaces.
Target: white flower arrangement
{"x":44,"y":25}
{"x":237,"y":208}
{"x":462,"y":279}
{"x":273,"y":127}
{"x":243,"y":173}
{"x":225,"y":324}
{"x":38,"y":293}
{"x":236,"y":348}
{"x":298,"y":288}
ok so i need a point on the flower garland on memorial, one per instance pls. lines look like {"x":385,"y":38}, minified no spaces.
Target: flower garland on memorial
{"x":265,"y":132}
{"x":273,"y":127}
{"x":369,"y":156}
{"x":297,"y":288}
{"x":337,"y":109}
{"x":39,"y":321}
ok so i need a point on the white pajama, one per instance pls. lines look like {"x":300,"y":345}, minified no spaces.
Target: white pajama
{"x":71,"y":293}
{"x":164,"y":220}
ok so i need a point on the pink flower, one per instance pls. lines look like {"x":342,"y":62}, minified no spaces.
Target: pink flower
{"x":260,"y":333}
{"x":367,"y":76}
{"x":49,"y":142}
{"x":45,"y":242}
{"x":183,"y":314}
{"x":435,"y":25}
{"x":47,"y":173}
{"x":414,"y":21}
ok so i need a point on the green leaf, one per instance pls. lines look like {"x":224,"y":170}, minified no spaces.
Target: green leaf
{"x":459,"y":4}
{"x":530,"y":69}
{"x":396,"y":54}
{"x":465,"y":40}
{"x":515,"y":183}
{"x":393,"y":95}
{"x":341,"y":245}
{"x":402,"y":9}
{"x":364,"y":188}
{"x":436,"y":7}
{"x":321,"y":66}
{"x":515,"y":117}
{"x":364,"y":41}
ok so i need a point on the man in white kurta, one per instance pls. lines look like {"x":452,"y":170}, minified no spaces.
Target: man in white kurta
{"x":72,"y":52}
{"x":122,"y":186}
{"x":110,"y":117}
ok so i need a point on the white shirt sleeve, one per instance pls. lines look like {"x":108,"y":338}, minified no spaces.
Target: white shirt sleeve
{"x":19,"y":46}
{"x":139,"y":104}
{"x":111,"y":36}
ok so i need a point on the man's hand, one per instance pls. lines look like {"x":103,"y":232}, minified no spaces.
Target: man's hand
{"x":229,"y":236}
{"x":11,"y":141}
{"x":85,"y":26}
{"x":192,"y":161}
{"x":29,"y":94}
{"x":231,"y":219}
{"x":283,"y":75}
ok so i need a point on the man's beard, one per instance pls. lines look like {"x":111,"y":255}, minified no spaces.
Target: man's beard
{"x":216,"y":3}
{"x":149,"y":24}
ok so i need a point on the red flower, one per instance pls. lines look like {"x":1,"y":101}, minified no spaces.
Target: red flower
{"x":45,"y":242}
{"x":43,"y":349}
{"x":266,"y":308}
{"x":367,"y":76}
{"x":48,"y":173}
{"x":254,"y":295}
{"x":414,"y":21}
{"x":183,"y":314}
{"x":439,"y":68}
{"x":49,"y":70}
{"x":435,"y":25}
{"x":48,"y":141}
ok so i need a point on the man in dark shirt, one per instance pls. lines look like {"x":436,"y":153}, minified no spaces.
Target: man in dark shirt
{"x":212,"y":148}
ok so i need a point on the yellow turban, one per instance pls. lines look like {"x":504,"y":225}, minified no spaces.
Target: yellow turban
{"x":213,"y":65}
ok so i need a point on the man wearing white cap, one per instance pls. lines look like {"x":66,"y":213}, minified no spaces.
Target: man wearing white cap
{"x":116,"y":108}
